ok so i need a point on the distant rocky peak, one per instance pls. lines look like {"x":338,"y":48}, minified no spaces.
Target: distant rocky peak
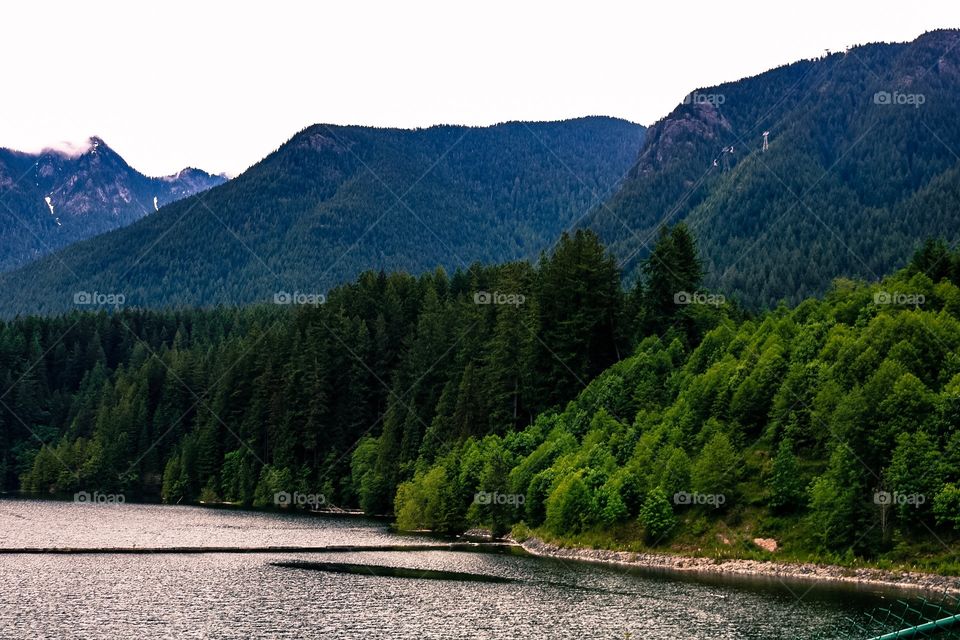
{"x":73,"y":191}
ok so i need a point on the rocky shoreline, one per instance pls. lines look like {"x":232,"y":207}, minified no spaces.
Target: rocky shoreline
{"x":807,"y":572}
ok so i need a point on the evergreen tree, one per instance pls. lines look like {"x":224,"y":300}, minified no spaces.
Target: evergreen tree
{"x":579,"y":298}
{"x":672,"y":273}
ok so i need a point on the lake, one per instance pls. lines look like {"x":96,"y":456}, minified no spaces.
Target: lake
{"x":243,"y":595}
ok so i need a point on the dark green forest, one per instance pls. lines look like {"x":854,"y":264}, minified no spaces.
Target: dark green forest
{"x":583,"y":408}
{"x":181,"y":402}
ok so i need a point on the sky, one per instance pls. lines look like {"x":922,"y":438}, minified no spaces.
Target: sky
{"x":219,"y":85}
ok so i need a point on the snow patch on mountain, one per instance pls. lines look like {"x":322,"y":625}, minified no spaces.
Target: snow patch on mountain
{"x":49,"y":202}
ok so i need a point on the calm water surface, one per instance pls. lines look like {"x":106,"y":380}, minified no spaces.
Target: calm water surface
{"x":224,"y":595}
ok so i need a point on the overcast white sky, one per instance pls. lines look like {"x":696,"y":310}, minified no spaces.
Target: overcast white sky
{"x":220,"y":84}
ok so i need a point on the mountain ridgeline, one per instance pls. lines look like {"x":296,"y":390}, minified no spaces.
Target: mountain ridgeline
{"x":52,"y":199}
{"x":334,"y":201}
{"x":861,"y":166}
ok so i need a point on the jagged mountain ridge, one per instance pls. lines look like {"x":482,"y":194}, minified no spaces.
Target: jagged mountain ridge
{"x":51,"y":199}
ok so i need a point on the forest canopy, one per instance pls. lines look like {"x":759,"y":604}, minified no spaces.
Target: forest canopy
{"x":536,"y":394}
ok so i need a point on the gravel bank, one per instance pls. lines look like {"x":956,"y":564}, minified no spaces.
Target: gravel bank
{"x":787,"y":571}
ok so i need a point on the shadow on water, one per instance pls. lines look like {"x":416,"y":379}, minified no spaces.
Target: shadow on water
{"x":431,"y":574}
{"x":392,"y":572}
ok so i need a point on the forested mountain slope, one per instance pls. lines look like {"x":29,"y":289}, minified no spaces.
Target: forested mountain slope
{"x":862,"y":165}
{"x":334,"y":201}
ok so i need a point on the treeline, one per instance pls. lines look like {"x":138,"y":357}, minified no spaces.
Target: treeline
{"x":833,"y":427}
{"x":343,"y":399}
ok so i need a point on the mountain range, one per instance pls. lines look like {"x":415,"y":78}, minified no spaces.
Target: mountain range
{"x":838,"y":166}
{"x":51,"y":199}
{"x":337,"y":200}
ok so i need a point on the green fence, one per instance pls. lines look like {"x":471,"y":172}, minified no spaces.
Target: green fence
{"x":919,"y":618}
